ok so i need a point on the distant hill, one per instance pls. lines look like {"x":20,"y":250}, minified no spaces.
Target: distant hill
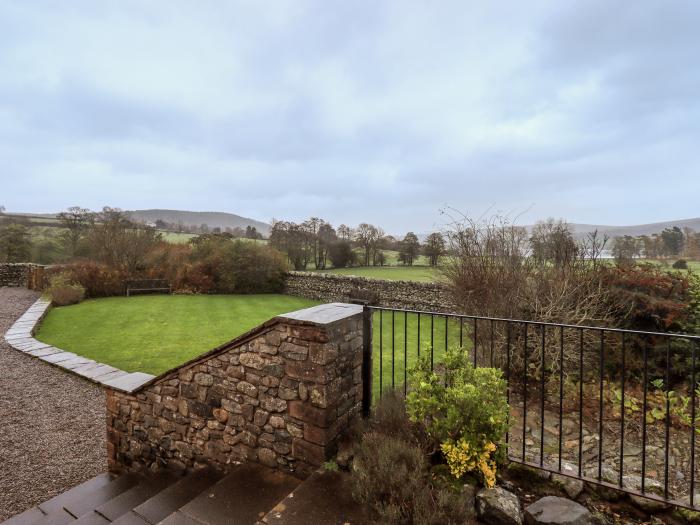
{"x":640,"y":229}
{"x":196,"y":218}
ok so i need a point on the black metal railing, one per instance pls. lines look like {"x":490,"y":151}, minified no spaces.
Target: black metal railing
{"x":613,"y":407}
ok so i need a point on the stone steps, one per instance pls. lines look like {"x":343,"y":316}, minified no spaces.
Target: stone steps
{"x":204,"y":497}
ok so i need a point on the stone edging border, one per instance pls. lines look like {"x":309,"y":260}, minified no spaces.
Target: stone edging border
{"x":20,"y":336}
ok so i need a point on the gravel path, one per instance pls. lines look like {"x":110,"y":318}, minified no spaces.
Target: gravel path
{"x":52,"y":424}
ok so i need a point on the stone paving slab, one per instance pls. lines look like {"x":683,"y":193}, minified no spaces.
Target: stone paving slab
{"x":20,"y":337}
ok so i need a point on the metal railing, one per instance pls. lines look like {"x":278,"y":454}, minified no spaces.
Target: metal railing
{"x":613,"y":407}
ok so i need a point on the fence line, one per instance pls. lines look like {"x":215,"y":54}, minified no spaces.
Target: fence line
{"x":621,"y":400}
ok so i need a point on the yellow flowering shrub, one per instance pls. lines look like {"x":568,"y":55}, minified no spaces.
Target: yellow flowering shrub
{"x":464,"y":410}
{"x":463,"y":458}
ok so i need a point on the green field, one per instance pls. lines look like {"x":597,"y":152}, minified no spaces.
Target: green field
{"x":396,"y":347}
{"x":392,"y":273}
{"x":156,"y":333}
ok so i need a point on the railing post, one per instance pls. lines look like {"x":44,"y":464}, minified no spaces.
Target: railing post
{"x":366,"y":360}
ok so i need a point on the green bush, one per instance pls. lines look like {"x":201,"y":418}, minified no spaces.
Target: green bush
{"x":680,"y":264}
{"x":464,"y":411}
{"x":392,"y":473}
{"x":64,"y":291}
{"x":222,"y":265}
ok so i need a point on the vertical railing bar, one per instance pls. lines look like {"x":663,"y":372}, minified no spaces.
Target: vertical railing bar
{"x":393,"y":353}
{"x":366,"y":360}
{"x":601,"y":366}
{"x":446,"y":325}
{"x":432,"y":341}
{"x":491,"y":343}
{"x":508,"y":376}
{"x":461,"y":332}
{"x":381,"y":352}
{"x":475,"y":344}
{"x":644,"y":416}
{"x":580,"y":403}
{"x":692,"y":430}
{"x":524,"y":389}
{"x":542,"y":392}
{"x":561,"y":391}
{"x":622,"y":410}
{"x":418,"y":344}
{"x":405,"y":353}
{"x":668,"y":414}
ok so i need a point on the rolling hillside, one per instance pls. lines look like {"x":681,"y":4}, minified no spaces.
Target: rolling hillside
{"x":196,"y":218}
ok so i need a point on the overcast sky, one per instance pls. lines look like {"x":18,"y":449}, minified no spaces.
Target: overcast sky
{"x":354,"y":111}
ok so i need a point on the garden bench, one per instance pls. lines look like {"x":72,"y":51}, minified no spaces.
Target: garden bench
{"x":147,"y":285}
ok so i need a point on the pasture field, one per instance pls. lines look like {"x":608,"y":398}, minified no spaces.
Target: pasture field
{"x":154,"y":333}
{"x":425,"y":274}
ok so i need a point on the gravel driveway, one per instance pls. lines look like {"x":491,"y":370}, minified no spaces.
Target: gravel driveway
{"x":52,"y":424}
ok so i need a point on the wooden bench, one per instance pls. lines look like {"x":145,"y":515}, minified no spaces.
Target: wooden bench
{"x":147,"y":285}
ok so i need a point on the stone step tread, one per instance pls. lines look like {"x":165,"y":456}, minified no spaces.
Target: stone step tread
{"x":131,"y":518}
{"x":242,"y":497}
{"x":57,"y":517}
{"x":169,"y":500}
{"x":77,"y":492}
{"x":91,"y":518}
{"x":323,"y":499}
{"x":178,"y":518}
{"x":87,"y":503}
{"x":134,"y":496}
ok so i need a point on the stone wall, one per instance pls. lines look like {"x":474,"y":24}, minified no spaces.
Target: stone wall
{"x":391,"y":294}
{"x":279,"y":395}
{"x":24,"y":275}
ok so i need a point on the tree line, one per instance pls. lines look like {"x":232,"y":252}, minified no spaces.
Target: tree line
{"x":315,"y":243}
{"x":671,"y":242}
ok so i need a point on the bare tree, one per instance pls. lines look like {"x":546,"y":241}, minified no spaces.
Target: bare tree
{"x":76,"y":222}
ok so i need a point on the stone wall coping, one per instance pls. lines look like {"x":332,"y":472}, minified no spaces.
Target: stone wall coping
{"x":323,"y":314}
{"x":20,"y":336}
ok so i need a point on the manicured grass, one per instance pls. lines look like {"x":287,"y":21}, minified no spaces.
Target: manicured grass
{"x":156,"y":333}
{"x":396,"y":344}
{"x":391,"y":273}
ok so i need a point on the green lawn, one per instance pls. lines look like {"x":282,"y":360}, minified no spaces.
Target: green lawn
{"x":394,"y":353}
{"x":391,"y":273}
{"x":155,"y":333}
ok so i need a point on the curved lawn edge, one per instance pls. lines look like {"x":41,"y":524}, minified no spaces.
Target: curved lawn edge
{"x":154,"y":333}
{"x":20,"y":336}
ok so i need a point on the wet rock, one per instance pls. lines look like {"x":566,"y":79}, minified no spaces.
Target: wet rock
{"x":555,"y":510}
{"x":651,"y":486}
{"x":497,"y":506}
{"x":572,"y":487}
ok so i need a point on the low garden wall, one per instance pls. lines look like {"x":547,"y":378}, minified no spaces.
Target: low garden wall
{"x":391,"y":294}
{"x":25,"y":275}
{"x":279,"y":395}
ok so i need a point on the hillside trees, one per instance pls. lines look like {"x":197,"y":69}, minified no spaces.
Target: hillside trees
{"x":15,"y":243}
{"x":76,"y":222}
{"x":117,"y":241}
{"x":434,"y":247}
{"x":409,"y":249}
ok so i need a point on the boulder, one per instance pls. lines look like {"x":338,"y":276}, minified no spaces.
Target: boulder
{"x":497,"y":506}
{"x":572,"y":487}
{"x":559,"y":511}
{"x":651,"y":486}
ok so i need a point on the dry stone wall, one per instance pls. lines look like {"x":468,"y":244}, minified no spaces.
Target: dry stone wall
{"x":391,"y":294}
{"x":24,"y":275}
{"x":279,"y":395}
